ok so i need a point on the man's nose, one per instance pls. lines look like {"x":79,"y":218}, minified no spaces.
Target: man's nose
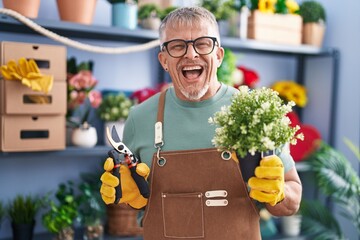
{"x":191,"y":53}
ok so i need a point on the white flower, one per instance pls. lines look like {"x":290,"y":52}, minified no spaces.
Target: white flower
{"x":263,"y":124}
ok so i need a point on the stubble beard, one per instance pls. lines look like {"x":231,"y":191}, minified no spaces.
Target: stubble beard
{"x":192,"y":94}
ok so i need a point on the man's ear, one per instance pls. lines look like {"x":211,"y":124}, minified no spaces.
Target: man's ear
{"x":220,"y":55}
{"x":163,"y":60}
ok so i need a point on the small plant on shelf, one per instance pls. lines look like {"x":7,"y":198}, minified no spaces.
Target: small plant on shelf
{"x":312,"y":12}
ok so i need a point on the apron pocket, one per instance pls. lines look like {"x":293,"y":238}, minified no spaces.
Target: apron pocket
{"x":183,"y":215}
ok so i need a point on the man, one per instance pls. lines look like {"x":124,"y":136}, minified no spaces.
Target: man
{"x":197,"y":192}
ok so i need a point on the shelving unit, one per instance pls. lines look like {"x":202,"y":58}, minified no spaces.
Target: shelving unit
{"x":93,"y":32}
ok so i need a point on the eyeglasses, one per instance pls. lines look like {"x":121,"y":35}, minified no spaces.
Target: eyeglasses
{"x":178,"y":47}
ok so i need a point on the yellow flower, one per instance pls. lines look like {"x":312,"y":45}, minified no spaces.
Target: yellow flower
{"x":291,"y":91}
{"x":267,"y":6}
{"x":292,"y":6}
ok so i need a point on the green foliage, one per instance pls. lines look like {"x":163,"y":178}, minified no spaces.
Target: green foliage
{"x":62,"y":214}
{"x":280,"y":7}
{"x":222,"y":10}
{"x":318,"y":222}
{"x":227,"y":67}
{"x":337,"y":179}
{"x":114,"y":107}
{"x":312,"y":11}
{"x":23,"y":209}
{"x":2,"y":211}
{"x":149,"y":10}
{"x":166,"y":11}
{"x":73,"y":67}
{"x":91,"y":206}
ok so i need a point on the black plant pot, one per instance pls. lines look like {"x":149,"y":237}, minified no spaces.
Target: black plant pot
{"x":23,"y":231}
{"x":248,"y":165}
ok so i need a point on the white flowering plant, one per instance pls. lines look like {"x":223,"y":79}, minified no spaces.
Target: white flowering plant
{"x":255,"y":121}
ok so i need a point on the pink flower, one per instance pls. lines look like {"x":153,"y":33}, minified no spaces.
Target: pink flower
{"x":83,"y":80}
{"x":95,"y":98}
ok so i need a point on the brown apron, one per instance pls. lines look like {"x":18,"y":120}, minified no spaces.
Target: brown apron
{"x":197,"y":194}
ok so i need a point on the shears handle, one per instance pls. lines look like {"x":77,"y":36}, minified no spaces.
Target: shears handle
{"x":115,"y":156}
{"x":140,"y":182}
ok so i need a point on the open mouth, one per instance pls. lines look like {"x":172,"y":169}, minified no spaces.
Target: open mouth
{"x":192,"y":72}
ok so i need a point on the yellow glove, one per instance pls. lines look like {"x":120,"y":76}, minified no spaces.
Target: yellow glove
{"x":130,"y":192}
{"x":268,"y":184}
{"x":28,"y":73}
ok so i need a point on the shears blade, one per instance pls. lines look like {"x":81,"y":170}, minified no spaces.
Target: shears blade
{"x":113,"y":138}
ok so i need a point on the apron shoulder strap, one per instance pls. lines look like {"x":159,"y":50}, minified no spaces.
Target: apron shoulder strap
{"x":160,"y":120}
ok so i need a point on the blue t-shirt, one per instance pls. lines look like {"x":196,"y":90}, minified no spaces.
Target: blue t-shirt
{"x":185,"y":125}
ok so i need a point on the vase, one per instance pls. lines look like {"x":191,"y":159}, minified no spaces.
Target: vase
{"x":248,"y":164}
{"x":84,"y":136}
{"x":28,"y":8}
{"x":291,"y":225}
{"x":124,"y":15}
{"x":119,"y":125}
{"x":23,"y":231}
{"x":313,"y":34}
{"x":79,"y":11}
{"x":122,"y":220}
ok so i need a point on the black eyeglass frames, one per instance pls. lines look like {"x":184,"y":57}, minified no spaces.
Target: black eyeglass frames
{"x":178,"y":47}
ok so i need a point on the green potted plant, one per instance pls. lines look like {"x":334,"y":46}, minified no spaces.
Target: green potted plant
{"x":113,"y":110}
{"x":61,"y":215}
{"x":223,"y":11}
{"x":2,"y":212}
{"x":124,"y":13}
{"x":91,"y":206}
{"x":149,"y":16}
{"x":337,"y":180}
{"x":22,"y":211}
{"x":314,"y":18}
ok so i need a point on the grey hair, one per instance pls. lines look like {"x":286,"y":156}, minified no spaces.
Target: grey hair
{"x":187,"y":16}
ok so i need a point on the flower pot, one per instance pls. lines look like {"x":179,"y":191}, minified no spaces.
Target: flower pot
{"x":79,"y":11}
{"x":124,"y":15}
{"x":119,"y":125}
{"x":23,"y":231}
{"x":84,"y":137}
{"x":313,"y":34}
{"x":122,"y":220}
{"x":28,"y":8}
{"x":291,"y":225}
{"x":248,"y":165}
{"x":151,"y":23}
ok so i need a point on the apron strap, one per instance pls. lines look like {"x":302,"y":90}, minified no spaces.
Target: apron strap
{"x":159,"y":123}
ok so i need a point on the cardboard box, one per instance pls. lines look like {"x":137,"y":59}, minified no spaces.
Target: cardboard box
{"x":16,"y":98}
{"x":275,"y":28}
{"x":51,"y":59}
{"x":32,"y":133}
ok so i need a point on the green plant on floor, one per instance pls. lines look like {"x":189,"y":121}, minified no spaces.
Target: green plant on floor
{"x":336,"y":178}
{"x":60,"y":217}
{"x":312,"y":12}
{"x":2,"y":212}
{"x":23,"y":209}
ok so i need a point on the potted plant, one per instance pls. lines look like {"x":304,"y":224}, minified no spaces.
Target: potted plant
{"x":223,"y":11}
{"x":124,"y":13}
{"x":82,"y":99}
{"x":337,"y":180}
{"x":114,"y":110}
{"x":80,"y":11}
{"x":314,"y":18}
{"x":91,"y":206}
{"x":61,"y":215}
{"x":2,"y":212}
{"x":149,"y":16}
{"x":22,"y":211}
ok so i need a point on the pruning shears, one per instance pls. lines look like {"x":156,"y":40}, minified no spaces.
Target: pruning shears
{"x":128,"y":158}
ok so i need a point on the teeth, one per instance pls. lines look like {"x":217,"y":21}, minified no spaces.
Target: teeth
{"x":191,"y":68}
